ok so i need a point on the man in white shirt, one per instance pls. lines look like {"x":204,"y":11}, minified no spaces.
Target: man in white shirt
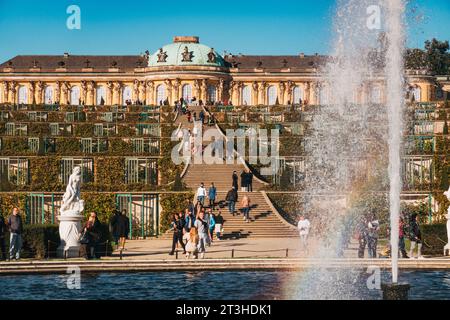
{"x":201,"y":194}
{"x":303,"y":229}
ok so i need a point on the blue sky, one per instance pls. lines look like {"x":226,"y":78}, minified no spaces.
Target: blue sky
{"x":131,"y":27}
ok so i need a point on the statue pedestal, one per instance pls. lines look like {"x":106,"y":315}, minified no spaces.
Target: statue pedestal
{"x":69,"y":232}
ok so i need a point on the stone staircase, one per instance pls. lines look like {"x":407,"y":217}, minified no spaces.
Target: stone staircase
{"x":264,"y":222}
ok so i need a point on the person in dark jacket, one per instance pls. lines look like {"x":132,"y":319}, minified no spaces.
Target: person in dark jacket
{"x":243,"y":181}
{"x":189,"y":220}
{"x":232,"y":198}
{"x":15,"y":227}
{"x":95,"y":235}
{"x":249,"y":181}
{"x":362,"y":230}
{"x":177,"y":226}
{"x":113,"y":226}
{"x":123,"y":228}
{"x":415,"y":236}
{"x":235,"y":180}
{"x":3,"y":229}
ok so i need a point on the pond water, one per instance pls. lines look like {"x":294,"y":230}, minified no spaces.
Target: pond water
{"x":218,"y":285}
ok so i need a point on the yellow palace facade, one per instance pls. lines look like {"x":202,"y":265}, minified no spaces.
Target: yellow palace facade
{"x":185,"y":68}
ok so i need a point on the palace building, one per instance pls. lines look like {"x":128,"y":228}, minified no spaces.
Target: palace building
{"x":185,"y":68}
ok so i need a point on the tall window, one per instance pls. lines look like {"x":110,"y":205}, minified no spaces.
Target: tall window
{"x":417,"y":92}
{"x":212,"y":93}
{"x":126,"y":94}
{"x":14,"y":170}
{"x":272,"y":95}
{"x":298,"y":95}
{"x":75,"y":95}
{"x":323,"y":95}
{"x":187,"y":92}
{"x":23,"y":95}
{"x":247,"y":96}
{"x":48,"y":95}
{"x":160,"y":94}
{"x":140,"y":170}
{"x":101,"y":95}
{"x":375,"y":95}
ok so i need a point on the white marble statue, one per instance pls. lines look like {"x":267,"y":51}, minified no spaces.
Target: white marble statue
{"x":70,"y":217}
{"x":71,"y":202}
{"x":447,"y":246}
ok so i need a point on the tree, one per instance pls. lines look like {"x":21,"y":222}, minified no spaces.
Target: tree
{"x":445,"y":130}
{"x":437,"y":56}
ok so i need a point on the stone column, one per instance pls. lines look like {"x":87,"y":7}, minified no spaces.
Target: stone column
{"x":313,"y":93}
{"x":31,"y":93}
{"x":150,"y":92}
{"x":197,"y":89}
{"x":83,"y":93}
{"x":90,"y":99}
{"x":169,"y":89}
{"x":109,"y":92}
{"x":12,"y":92}
{"x":255,"y":93}
{"x":65,"y":93}
{"x":204,"y":92}
{"x":220,"y":90}
{"x":176,"y":90}
{"x":261,"y":93}
{"x":116,"y":93}
{"x":135,"y":93}
{"x":142,"y":91}
{"x":57,"y":92}
{"x":40,"y":92}
{"x":282,"y":91}
{"x":4,"y":92}
{"x":289,"y":92}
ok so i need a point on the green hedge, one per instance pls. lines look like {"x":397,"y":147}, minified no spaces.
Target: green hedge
{"x":36,"y":240}
{"x":435,"y":238}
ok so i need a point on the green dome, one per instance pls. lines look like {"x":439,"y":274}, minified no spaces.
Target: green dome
{"x":176,"y":54}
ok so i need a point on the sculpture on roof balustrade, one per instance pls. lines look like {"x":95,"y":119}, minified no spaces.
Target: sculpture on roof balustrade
{"x":162,"y":55}
{"x":212,"y":56}
{"x":186,"y":55}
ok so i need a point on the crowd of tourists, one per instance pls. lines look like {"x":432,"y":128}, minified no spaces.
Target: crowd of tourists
{"x":368,"y":233}
{"x":195,"y":227}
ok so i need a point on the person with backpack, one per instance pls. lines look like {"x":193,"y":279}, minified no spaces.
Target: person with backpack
{"x":415,"y":236}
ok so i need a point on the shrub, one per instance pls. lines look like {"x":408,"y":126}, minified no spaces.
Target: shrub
{"x":434,"y":237}
{"x":36,"y":240}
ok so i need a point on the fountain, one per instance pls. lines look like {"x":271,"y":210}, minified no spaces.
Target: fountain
{"x":352,"y":133}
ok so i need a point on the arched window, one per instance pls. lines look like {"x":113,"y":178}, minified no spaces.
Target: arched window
{"x":375,"y":95}
{"x":247,"y":96}
{"x":126,"y":94}
{"x":23,"y":95}
{"x":417,"y":92}
{"x":48,"y":95}
{"x":298,"y":95}
{"x":75,"y":95}
{"x":101,"y":95}
{"x":212,"y":93}
{"x":160,"y":94}
{"x":272,"y":95}
{"x":187,"y":92}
